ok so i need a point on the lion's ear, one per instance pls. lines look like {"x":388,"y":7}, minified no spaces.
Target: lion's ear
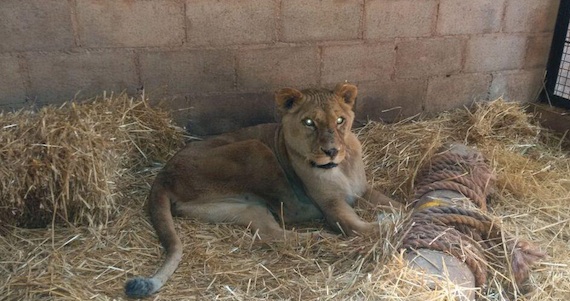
{"x":287,"y":99}
{"x":347,"y":92}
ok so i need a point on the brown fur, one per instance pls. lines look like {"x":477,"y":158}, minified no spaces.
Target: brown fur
{"x":299,"y":170}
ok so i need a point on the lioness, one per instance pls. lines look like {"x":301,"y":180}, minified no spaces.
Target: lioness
{"x":308,"y":167}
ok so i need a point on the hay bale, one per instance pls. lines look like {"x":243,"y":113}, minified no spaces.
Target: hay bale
{"x":65,"y":164}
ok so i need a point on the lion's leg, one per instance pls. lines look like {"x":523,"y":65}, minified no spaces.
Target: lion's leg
{"x":238,"y":211}
{"x":374,"y":199}
{"x":340,"y":215}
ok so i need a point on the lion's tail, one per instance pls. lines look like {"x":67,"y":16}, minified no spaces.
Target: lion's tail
{"x":161,"y":218}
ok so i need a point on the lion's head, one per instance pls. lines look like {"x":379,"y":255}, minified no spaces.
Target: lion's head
{"x":316,"y":123}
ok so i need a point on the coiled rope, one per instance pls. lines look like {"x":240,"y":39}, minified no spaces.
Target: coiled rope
{"x":469,"y":234}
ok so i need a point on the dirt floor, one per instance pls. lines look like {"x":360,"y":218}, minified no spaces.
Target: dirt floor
{"x":224,"y":262}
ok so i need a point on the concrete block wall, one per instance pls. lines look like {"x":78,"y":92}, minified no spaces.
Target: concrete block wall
{"x":215,"y":63}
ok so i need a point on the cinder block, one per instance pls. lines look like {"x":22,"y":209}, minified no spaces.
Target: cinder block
{"x":132,"y":23}
{"x":445,"y":93}
{"x":320,"y":20}
{"x":229,"y":111}
{"x":231,"y":22}
{"x":522,"y":86}
{"x":35,"y":25}
{"x":390,"y":101}
{"x":495,"y":52}
{"x":272,"y":68}
{"x":188,"y":72}
{"x":427,"y":57}
{"x":12,"y":90}
{"x":58,"y":77}
{"x":537,"y":51}
{"x":357,"y":63}
{"x":469,"y":17}
{"x":531,"y":15}
{"x":399,"y":19}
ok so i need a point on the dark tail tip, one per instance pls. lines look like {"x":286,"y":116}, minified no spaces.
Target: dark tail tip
{"x":140,"y":287}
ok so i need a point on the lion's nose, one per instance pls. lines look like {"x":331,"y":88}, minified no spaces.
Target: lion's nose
{"x":331,"y":152}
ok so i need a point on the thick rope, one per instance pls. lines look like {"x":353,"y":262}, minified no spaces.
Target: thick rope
{"x":468,"y":234}
{"x":449,"y":240}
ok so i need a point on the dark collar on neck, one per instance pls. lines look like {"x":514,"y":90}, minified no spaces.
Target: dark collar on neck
{"x":292,"y":177}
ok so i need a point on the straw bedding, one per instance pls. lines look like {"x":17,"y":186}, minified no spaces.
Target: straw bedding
{"x":77,"y":261}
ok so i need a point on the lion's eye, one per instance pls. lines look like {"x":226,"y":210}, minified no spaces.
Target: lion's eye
{"x":340,"y":120}
{"x":308,"y":122}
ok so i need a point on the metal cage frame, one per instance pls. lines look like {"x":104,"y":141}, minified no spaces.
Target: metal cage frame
{"x":557,"y":86}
